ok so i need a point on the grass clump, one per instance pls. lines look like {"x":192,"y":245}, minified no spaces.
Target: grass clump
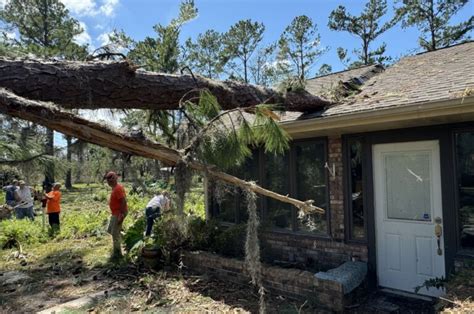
{"x":14,"y":232}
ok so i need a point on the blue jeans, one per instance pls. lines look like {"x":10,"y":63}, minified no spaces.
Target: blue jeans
{"x":151,"y":214}
{"x":24,"y":212}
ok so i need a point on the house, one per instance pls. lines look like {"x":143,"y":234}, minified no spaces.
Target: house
{"x":392,"y":163}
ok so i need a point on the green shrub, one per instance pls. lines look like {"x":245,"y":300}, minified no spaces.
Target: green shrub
{"x":231,"y":241}
{"x":24,"y":231}
{"x":101,"y":196}
{"x":171,"y":235}
{"x":134,"y":233}
{"x":194,"y":204}
{"x":202,"y":233}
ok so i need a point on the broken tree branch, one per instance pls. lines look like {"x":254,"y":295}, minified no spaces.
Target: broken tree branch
{"x":21,"y":161}
{"x":119,"y":85}
{"x":73,"y":125}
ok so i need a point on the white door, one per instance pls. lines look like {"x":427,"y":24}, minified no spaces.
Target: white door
{"x":407,"y":194}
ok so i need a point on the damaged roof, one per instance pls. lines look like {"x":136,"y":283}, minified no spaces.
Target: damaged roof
{"x":439,"y":75}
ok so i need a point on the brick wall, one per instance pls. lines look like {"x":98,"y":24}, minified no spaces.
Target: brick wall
{"x":292,"y":283}
{"x":303,"y":248}
{"x":462,"y":262}
{"x":323,"y":253}
{"x":336,"y":188}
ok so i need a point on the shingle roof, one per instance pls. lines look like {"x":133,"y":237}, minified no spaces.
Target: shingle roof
{"x":319,"y":85}
{"x":431,"y":76}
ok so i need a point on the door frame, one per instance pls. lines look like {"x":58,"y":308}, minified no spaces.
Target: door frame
{"x":442,"y":133}
{"x":383,"y":222}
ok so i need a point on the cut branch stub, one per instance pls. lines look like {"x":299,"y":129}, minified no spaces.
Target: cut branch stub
{"x":93,"y":85}
{"x":78,"y":127}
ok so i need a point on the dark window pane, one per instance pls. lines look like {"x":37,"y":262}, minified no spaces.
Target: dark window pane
{"x":277,"y":180}
{"x":465,"y":164}
{"x":311,"y":183}
{"x":248,"y":172}
{"x":225,"y":205}
{"x":357,"y":201}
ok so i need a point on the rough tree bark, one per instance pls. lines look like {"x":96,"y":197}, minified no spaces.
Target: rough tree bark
{"x":49,"y":168}
{"x":120,"y":85}
{"x":68,"y":181}
{"x":72,"y":125}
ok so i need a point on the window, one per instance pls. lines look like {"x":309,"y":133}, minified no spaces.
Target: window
{"x":278,"y":214}
{"x":248,"y":172}
{"x":465,"y":175}
{"x":228,"y":202}
{"x":310,"y":181}
{"x":355,"y":195}
{"x":300,"y":172}
{"x":224,"y":203}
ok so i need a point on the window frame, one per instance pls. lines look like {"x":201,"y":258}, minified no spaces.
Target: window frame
{"x":347,"y":185}
{"x":294,"y":190}
{"x":262,"y":204}
{"x":459,"y":249}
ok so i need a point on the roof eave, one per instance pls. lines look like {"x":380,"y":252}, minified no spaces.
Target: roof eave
{"x":389,"y":117}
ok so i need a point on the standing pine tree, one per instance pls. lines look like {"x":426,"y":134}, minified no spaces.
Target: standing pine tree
{"x":241,"y":41}
{"x":161,"y":54}
{"x":46,"y":30}
{"x":432,"y":19}
{"x":300,"y":43}
{"x":205,"y":54}
{"x":367,"y":26}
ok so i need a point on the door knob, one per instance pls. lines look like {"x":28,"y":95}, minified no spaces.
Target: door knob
{"x":438,"y":232}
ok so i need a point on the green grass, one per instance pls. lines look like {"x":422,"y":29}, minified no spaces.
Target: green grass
{"x":85,"y":214}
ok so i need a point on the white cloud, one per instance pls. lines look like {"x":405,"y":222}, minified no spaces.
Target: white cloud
{"x":90,"y":7}
{"x":108,"y":7}
{"x":10,"y":35}
{"x":84,"y":37}
{"x":3,"y":3}
{"x":104,"y":39}
{"x":81,"y":7}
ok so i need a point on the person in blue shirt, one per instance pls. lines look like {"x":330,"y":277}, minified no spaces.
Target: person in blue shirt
{"x":10,"y":191}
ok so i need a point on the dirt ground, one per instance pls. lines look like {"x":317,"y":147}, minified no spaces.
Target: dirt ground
{"x":54,"y":273}
{"x":57,"y":272}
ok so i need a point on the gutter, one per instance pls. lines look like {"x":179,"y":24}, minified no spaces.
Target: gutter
{"x":381,"y":118}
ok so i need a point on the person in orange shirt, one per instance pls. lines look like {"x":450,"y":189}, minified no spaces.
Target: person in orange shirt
{"x":118,"y":208}
{"x":53,"y":207}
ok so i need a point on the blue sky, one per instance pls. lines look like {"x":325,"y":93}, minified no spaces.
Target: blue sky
{"x":137,"y":17}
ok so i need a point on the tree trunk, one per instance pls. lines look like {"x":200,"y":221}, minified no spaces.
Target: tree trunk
{"x":49,"y":169}
{"x":118,"y":85}
{"x":80,"y":158}
{"x":70,"y":124}
{"x":68,"y":181}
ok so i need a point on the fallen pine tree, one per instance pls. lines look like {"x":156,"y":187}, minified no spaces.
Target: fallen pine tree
{"x":120,"y":85}
{"x":70,"y":124}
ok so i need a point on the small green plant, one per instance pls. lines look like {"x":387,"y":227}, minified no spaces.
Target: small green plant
{"x":77,"y":224}
{"x":194,"y":203}
{"x":231,"y":241}
{"x":15,"y":232}
{"x":134,"y":233}
{"x":202,"y":234}
{"x":438,"y":282}
{"x":100,"y":196}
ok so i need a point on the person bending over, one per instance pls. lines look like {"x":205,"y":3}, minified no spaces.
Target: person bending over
{"x":153,"y":209}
